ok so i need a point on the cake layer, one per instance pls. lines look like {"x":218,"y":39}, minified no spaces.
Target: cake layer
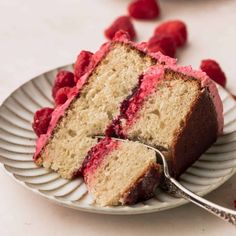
{"x":121,"y":172}
{"x":174,"y":114}
{"x":94,"y":108}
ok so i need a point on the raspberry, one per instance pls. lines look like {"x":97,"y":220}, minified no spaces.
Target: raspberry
{"x":162,"y":43}
{"x":213,"y":70}
{"x":234,"y":203}
{"x":176,"y":29}
{"x":62,"y":95}
{"x":144,"y":9}
{"x":42,"y":119}
{"x":63,"y":79}
{"x":82,"y":64}
{"x":122,"y":23}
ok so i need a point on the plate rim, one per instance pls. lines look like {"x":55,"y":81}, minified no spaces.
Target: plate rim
{"x":109,"y":211}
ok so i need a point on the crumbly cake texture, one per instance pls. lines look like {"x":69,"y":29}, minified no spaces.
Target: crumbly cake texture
{"x":130,"y":93}
{"x":119,"y":172}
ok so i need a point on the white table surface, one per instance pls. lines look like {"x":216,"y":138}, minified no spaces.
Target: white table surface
{"x":36,"y":36}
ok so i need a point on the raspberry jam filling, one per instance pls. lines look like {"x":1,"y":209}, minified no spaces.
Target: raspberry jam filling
{"x":97,"y":154}
{"x":130,"y":106}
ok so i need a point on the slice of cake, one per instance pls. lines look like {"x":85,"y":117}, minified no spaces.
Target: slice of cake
{"x":175,"y":109}
{"x":92,"y":106}
{"x":119,"y":172}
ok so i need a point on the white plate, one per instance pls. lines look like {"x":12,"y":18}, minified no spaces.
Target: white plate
{"x":17,"y":144}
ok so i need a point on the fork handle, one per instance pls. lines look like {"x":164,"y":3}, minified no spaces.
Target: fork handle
{"x":176,"y":188}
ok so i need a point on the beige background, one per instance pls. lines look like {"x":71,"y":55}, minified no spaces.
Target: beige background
{"x":37,"y":36}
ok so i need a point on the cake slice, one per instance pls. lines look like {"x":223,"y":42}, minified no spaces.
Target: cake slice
{"x":175,"y":109}
{"x":93,"y":105}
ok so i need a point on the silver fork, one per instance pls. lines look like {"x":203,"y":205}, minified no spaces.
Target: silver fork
{"x":178,"y":190}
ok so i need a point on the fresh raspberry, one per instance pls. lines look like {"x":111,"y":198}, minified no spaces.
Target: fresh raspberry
{"x":176,"y":29}
{"x":42,"y":119}
{"x":144,"y":9}
{"x":162,"y":43}
{"x":214,"y":71}
{"x":234,"y":203}
{"x":62,"y":95}
{"x":82,"y":64}
{"x":121,"y":23}
{"x":63,"y":79}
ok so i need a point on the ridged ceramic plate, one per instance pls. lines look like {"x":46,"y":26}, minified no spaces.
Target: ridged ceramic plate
{"x":17,"y":145}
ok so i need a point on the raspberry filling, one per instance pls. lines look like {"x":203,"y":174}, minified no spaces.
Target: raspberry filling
{"x":130,"y":106}
{"x":97,"y":154}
